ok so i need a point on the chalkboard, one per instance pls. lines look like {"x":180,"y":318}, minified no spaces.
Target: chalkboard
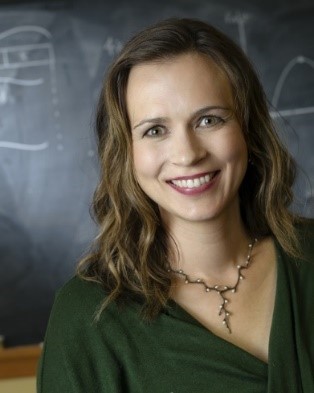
{"x":52,"y":59}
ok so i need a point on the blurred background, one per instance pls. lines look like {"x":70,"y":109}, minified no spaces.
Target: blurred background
{"x":53,"y":55}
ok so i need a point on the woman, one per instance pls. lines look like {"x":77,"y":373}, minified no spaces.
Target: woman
{"x":200,"y":277}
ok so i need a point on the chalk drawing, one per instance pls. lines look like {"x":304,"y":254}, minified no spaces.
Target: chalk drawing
{"x":21,"y":82}
{"x":24,"y":146}
{"x":240,"y":19}
{"x":15,"y":57}
{"x":279,"y":86}
{"x":22,"y":29}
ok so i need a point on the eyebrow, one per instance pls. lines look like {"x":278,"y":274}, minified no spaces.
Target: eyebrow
{"x":199,"y":112}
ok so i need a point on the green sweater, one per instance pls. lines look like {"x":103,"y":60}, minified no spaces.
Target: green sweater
{"x":175,"y":353}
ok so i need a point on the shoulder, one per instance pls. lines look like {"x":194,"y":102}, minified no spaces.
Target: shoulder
{"x":306,"y":227}
{"x":305,"y":230}
{"x":301,"y":270}
{"x":76,"y":285}
{"x":77,"y":298}
{"x":78,"y":351}
{"x":77,"y":305}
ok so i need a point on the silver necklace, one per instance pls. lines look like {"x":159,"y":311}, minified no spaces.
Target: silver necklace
{"x":222,"y":290}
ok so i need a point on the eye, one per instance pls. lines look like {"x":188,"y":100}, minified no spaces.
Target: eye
{"x":155,"y":132}
{"x":209,"y":121}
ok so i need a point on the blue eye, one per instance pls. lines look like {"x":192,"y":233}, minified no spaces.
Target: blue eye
{"x":155,"y":132}
{"x":210,"y":121}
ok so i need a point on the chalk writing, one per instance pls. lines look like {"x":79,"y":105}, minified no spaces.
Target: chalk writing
{"x":239,"y":18}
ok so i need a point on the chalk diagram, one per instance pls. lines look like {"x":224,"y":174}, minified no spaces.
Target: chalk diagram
{"x":240,"y":18}
{"x":277,"y":92}
{"x":14,"y":59}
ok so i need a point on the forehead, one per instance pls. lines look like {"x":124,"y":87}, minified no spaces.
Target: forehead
{"x":190,"y":77}
{"x":183,"y":63}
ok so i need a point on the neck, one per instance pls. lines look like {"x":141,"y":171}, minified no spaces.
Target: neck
{"x":210,"y":250}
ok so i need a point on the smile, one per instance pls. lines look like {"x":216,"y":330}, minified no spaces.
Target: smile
{"x":194,"y":182}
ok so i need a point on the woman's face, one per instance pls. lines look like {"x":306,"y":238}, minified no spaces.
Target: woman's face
{"x":189,"y":152}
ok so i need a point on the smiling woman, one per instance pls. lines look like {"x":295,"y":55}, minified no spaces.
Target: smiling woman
{"x":196,"y":138}
{"x":200,"y":278}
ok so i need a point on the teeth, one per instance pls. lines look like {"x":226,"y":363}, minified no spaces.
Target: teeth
{"x":193,"y":183}
{"x":190,"y":183}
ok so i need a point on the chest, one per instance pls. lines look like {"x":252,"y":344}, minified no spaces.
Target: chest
{"x":250,"y":311}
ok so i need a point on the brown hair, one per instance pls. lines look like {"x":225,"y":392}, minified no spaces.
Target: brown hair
{"x":130,"y":252}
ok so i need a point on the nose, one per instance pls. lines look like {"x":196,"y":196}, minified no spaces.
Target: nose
{"x":187,"y":148}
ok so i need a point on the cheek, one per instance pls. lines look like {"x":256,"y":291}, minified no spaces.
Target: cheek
{"x":145,"y":160}
{"x":234,"y":150}
{"x":238,"y":153}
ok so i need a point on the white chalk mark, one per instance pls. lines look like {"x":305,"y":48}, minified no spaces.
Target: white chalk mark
{"x":112,"y":46}
{"x":240,"y":19}
{"x":49,"y":58}
{"x":242,"y":36}
{"x":26,"y":47}
{"x":21,"y":82}
{"x":4,"y":94}
{"x":23,"y":29}
{"x":23,"y":56}
{"x":5,"y":57}
{"x":52,"y":65}
{"x":24,"y":146}
{"x":35,"y":63}
{"x":292,"y":112}
{"x":284,"y":74}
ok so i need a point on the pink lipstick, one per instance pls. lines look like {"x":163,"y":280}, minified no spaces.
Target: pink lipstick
{"x":194,"y":185}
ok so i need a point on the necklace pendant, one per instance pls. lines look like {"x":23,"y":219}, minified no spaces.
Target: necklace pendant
{"x":221,"y":289}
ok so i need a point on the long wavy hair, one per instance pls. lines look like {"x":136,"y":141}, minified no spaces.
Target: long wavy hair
{"x":129,"y":255}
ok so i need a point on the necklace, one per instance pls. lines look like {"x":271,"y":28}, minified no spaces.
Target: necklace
{"x":222,"y":290}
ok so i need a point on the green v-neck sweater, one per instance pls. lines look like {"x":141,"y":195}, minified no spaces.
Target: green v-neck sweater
{"x":175,"y":353}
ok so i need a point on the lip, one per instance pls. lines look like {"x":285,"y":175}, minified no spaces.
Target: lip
{"x":196,"y":190}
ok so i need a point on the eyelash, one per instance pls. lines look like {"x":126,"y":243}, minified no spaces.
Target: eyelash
{"x":216,"y":120}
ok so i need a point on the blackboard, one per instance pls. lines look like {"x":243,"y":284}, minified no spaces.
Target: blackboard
{"x":53,"y":55}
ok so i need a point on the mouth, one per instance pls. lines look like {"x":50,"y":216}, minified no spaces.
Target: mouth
{"x":194,"y":181}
